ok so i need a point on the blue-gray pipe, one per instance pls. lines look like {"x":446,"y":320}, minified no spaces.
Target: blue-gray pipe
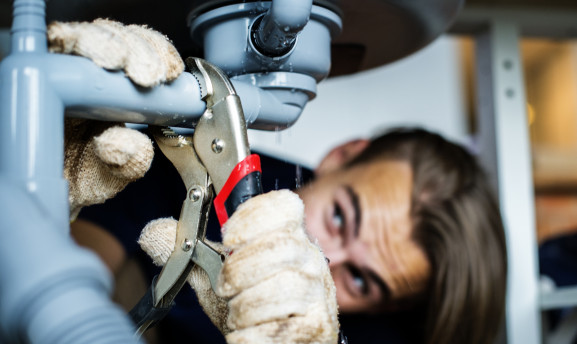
{"x":275,"y":33}
{"x":51,"y":291}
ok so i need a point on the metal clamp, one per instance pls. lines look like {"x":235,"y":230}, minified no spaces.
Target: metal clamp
{"x":215,"y":160}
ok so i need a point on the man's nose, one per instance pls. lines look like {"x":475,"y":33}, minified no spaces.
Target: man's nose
{"x":337,"y":257}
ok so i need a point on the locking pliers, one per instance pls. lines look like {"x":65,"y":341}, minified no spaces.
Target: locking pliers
{"x":215,"y":163}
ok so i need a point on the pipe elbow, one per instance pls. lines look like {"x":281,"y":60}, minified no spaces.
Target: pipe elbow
{"x":291,"y":113}
{"x":274,"y":102}
{"x":52,"y":291}
{"x":290,"y":15}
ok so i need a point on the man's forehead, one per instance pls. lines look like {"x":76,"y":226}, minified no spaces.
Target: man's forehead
{"x":375,"y":172}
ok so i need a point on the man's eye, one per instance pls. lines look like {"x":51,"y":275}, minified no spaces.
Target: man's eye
{"x":359,"y":281}
{"x":338,"y":219}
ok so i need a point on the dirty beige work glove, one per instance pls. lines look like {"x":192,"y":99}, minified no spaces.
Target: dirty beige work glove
{"x":276,"y":283}
{"x":147,"y":57}
{"x":158,"y":241}
{"x":101,"y":158}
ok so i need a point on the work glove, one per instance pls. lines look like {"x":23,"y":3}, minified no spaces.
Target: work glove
{"x":146,"y":56}
{"x":275,"y":285}
{"x":101,"y":158}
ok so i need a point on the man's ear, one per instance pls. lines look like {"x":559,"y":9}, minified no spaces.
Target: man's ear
{"x":341,"y":155}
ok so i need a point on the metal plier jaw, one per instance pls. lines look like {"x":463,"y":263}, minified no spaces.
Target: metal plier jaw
{"x":215,"y":163}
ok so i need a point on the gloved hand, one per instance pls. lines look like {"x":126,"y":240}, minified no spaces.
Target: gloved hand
{"x":276,"y":283}
{"x":146,"y":56}
{"x":101,"y":158}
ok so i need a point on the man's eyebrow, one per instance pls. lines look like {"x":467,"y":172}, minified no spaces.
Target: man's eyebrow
{"x":356,"y":206}
{"x":383,"y":287}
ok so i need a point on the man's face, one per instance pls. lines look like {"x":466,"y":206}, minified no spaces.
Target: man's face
{"x":361,"y":219}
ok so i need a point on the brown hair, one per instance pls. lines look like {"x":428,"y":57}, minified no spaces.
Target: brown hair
{"x":457,"y":222}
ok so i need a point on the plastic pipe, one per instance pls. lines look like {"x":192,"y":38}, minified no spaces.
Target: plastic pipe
{"x":52,"y":291}
{"x":271,"y":108}
{"x":275,"y":33}
{"x":28,"y":32}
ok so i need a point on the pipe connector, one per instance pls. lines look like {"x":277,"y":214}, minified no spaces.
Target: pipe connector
{"x":29,"y":26}
{"x":274,"y":33}
{"x":274,"y":90}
